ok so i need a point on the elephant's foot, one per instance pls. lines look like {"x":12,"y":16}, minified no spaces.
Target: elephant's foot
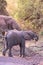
{"x":10,"y":55}
{"x":3,"y":53}
{"x":20,"y":55}
{"x":23,"y":55}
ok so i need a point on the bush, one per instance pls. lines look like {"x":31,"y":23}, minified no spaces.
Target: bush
{"x":41,"y":33}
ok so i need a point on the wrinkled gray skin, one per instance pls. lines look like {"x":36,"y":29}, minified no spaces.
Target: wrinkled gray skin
{"x":18,"y":38}
{"x":8,"y":23}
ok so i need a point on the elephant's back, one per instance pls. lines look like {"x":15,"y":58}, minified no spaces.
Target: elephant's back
{"x":14,"y":35}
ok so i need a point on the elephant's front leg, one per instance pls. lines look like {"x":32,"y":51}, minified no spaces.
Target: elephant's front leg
{"x":20,"y":50}
{"x":10,"y":55}
{"x":23,"y":51}
{"x":23,"y":48}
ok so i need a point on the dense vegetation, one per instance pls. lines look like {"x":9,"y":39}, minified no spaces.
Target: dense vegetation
{"x":28,"y":13}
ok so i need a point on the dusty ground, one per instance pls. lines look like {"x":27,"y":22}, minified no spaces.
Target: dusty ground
{"x":34,"y":54}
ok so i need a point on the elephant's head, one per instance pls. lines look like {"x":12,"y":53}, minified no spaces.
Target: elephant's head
{"x":36,"y":38}
{"x":32,"y":35}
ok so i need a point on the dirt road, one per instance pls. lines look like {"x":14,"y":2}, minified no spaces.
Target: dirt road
{"x":16,"y":60}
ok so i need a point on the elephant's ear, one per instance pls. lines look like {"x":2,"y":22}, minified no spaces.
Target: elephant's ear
{"x":27,"y":37}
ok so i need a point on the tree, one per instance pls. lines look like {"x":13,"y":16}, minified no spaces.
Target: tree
{"x":31,"y":11}
{"x":3,"y":5}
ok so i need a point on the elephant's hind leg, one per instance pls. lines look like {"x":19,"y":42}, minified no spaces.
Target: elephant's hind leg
{"x":4,"y":51}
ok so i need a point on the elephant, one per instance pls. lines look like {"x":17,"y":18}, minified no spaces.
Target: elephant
{"x":13,"y":38}
{"x":8,"y":23}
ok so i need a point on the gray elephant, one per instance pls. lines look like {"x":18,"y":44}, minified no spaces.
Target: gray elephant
{"x":18,"y":38}
{"x":8,"y":23}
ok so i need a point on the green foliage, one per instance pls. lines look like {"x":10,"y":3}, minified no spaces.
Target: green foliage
{"x":41,"y":33}
{"x":29,"y":13}
{"x":25,"y":8}
{"x":31,"y":10}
